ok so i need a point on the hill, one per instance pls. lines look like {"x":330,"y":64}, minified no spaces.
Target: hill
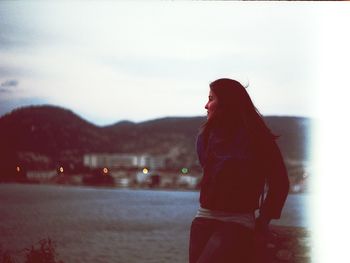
{"x":46,"y":136}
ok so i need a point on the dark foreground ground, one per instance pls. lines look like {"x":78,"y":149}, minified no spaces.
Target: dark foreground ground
{"x":289,"y":244}
{"x":285,"y":244}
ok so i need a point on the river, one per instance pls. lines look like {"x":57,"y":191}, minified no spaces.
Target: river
{"x":109,"y":225}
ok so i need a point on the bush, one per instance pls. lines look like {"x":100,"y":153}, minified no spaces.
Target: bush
{"x":44,"y":253}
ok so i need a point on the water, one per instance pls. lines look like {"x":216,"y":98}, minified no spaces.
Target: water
{"x":108,"y":225}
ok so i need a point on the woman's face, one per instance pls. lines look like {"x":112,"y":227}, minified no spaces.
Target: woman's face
{"x":211,"y":105}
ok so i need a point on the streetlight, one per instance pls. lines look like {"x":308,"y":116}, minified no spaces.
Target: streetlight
{"x":184,"y":170}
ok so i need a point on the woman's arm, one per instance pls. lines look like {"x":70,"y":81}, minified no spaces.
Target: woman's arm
{"x":278,"y":185}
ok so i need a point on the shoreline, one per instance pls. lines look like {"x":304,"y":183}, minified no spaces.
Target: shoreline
{"x":121,"y":187}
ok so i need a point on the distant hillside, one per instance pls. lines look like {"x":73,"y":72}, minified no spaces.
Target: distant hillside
{"x":53,"y":135}
{"x":49,"y":130}
{"x":295,"y":136}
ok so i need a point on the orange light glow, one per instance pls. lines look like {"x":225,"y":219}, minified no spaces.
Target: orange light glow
{"x":18,"y":169}
{"x":105,"y":170}
{"x":61,"y":169}
{"x":145,"y":170}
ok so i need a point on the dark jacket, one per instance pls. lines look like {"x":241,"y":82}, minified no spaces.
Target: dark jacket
{"x":235,"y":169}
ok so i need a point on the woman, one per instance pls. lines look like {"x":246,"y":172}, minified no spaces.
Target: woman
{"x":239,"y":155}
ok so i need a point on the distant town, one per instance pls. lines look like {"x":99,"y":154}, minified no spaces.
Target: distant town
{"x":116,"y":170}
{"x":130,"y":171}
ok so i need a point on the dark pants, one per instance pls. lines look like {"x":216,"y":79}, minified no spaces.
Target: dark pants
{"x":220,"y":242}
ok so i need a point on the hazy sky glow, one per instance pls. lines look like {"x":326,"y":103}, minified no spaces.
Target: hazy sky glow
{"x":124,"y":60}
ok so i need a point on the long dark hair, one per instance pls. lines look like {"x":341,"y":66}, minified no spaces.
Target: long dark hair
{"x":236,"y":109}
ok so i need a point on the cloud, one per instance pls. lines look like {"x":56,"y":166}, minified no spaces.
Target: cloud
{"x":7,"y":85}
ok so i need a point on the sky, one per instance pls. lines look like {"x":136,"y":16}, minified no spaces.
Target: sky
{"x":110,"y":61}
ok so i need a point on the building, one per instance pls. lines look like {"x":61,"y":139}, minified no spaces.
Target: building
{"x":100,"y":160}
{"x":41,"y":176}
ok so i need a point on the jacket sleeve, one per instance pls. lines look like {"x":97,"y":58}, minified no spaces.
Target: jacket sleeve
{"x":277,"y":182}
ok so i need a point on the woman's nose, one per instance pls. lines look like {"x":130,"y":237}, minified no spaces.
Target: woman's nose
{"x":206,"y":106}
